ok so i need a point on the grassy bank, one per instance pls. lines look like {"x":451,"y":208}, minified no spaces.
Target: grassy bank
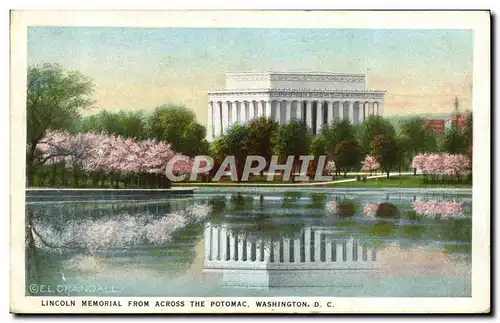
{"x":406,"y":181}
{"x":253,"y":181}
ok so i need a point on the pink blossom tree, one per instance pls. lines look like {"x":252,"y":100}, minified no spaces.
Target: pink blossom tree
{"x":105,"y":158}
{"x":330,"y":167}
{"x":444,"y":167}
{"x":370,"y":164}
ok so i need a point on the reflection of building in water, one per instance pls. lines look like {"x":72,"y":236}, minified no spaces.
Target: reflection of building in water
{"x":313,"y":258}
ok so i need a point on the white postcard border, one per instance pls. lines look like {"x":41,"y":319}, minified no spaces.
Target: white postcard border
{"x":478,"y":21}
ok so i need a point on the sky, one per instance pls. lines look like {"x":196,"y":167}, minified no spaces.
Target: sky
{"x":143,"y":68}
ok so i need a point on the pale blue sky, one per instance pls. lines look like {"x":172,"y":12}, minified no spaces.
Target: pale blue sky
{"x":141,"y":68}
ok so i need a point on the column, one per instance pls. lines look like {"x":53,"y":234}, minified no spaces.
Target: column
{"x":243,"y":117}
{"x":249,"y":250}
{"x":266,"y":250}
{"x":328,"y":250}
{"x":307,"y":244}
{"x":361,"y":110}
{"x":380,"y":109}
{"x":330,"y":112}
{"x":218,"y":119}
{"x":234,"y":247}
{"x":276,"y":250}
{"x":240,"y":248}
{"x":225,"y":117}
{"x":215,"y":243}
{"x":288,"y":111}
{"x":223,"y":243}
{"x":341,"y":110}
{"x":208,"y":239}
{"x":309,"y":114}
{"x":319,"y":116}
{"x":277,"y":113}
{"x":360,"y":251}
{"x":268,"y":109}
{"x":317,"y":246}
{"x":234,"y":113}
{"x":210,"y":124}
{"x":298,"y":112}
{"x":372,"y":108}
{"x":350,"y":250}
{"x":286,"y":250}
{"x":339,"y":251}
{"x":260,"y":109}
{"x":351,"y":112}
{"x":251,"y":110}
{"x":258,"y":250}
{"x":296,"y":250}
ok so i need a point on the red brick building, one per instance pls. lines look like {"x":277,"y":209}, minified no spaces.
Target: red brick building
{"x":437,"y":125}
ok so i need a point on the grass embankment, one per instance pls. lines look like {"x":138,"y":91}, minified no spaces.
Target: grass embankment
{"x":254,"y":181}
{"x":404,"y":181}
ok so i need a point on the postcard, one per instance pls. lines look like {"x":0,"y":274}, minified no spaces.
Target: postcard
{"x":250,"y":162}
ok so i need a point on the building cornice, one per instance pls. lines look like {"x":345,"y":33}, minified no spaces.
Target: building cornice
{"x":298,"y":93}
{"x":267,"y":90}
{"x":283,"y":76}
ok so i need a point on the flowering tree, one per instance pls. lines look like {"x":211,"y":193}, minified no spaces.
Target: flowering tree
{"x":444,"y":167}
{"x":370,"y":164}
{"x":330,"y":167}
{"x":105,"y":158}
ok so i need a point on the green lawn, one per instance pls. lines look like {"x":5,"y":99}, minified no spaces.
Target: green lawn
{"x":398,"y":181}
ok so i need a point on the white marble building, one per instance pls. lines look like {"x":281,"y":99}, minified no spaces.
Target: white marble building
{"x":317,"y":98}
{"x":315,"y":258}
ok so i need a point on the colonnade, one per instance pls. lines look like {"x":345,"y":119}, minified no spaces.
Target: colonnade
{"x":316,"y":113}
{"x":313,"y":245}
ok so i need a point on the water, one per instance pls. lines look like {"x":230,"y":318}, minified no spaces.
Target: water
{"x":248,"y":242}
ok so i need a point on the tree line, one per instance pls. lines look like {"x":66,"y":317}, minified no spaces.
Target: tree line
{"x":349,"y":146}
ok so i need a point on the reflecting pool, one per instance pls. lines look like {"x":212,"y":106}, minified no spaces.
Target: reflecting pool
{"x":252,"y":242}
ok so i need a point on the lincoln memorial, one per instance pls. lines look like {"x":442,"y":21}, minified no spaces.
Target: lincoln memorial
{"x":316,"y":98}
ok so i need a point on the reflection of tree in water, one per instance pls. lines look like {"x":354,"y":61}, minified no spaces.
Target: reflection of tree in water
{"x":55,"y":233}
{"x":253,"y":220}
{"x":395,"y":223}
{"x":291,"y":199}
{"x":318,"y":200}
{"x":42,"y":262}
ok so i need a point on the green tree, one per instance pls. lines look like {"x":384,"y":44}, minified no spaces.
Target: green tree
{"x":404,"y":155}
{"x":417,"y":138}
{"x":234,"y":143}
{"x":260,"y":132}
{"x":387,"y":152}
{"x":54,"y":99}
{"x":348,"y":155}
{"x":291,"y":139}
{"x":177,"y":125}
{"x":454,"y":141}
{"x":125,"y":124}
{"x":373,"y":126}
{"x":336,"y":132}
